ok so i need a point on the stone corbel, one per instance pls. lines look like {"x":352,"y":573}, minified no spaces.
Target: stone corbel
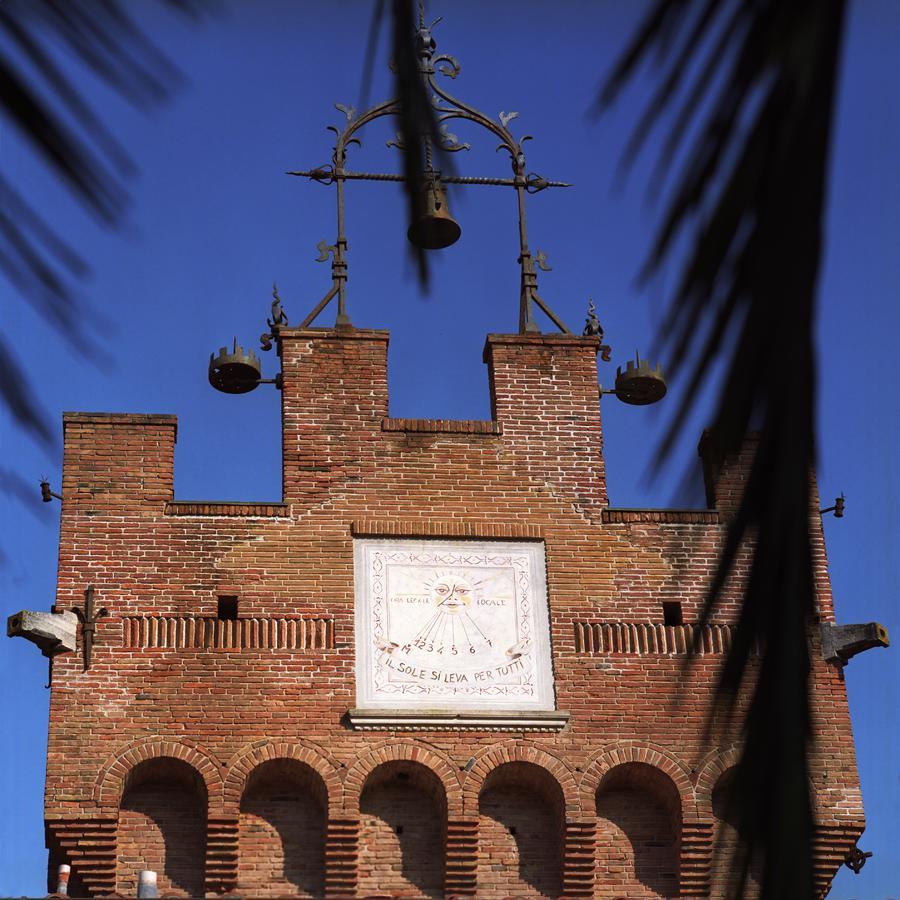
{"x":54,"y":633}
{"x":842,"y":642}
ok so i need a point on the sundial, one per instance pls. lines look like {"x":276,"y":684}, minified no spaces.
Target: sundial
{"x":445,"y":624}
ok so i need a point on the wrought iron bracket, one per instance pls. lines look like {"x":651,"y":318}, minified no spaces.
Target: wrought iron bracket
{"x":856,"y":859}
{"x":88,"y":618}
{"x":446,"y":108}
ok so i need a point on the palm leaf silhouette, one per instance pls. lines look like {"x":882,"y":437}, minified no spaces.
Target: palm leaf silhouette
{"x":750,"y":199}
{"x":62,"y":128}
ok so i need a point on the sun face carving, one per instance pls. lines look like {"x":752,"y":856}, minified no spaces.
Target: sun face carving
{"x":452,"y":593}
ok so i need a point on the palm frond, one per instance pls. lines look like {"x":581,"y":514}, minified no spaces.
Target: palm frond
{"x":63,"y":129}
{"x":417,"y":117}
{"x":750,"y":200}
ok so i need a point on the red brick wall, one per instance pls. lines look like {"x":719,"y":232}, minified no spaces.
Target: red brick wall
{"x":162,"y":826}
{"x":227,"y":704}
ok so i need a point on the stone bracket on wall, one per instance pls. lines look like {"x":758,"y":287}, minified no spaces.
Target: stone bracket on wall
{"x":475,"y":720}
{"x":52,"y":632}
{"x":842,"y":642}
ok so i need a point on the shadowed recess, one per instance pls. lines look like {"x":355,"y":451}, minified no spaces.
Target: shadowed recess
{"x":403,"y":811}
{"x":521,"y":817}
{"x":638,"y":833}
{"x":162,"y":827}
{"x":282,"y":831}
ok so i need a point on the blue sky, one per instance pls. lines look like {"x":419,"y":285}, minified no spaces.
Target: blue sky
{"x":215,"y":221}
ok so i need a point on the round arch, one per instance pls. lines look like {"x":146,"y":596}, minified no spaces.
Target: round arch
{"x":242,"y":764}
{"x":612,"y":757}
{"x":713,"y":767}
{"x":110,"y":783}
{"x":356,"y":776}
{"x":493,"y":757}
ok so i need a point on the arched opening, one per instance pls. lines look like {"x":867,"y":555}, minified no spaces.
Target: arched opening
{"x":284,"y":809}
{"x":162,"y":826}
{"x":727,"y":842}
{"x":521,"y":817}
{"x":638,"y":833}
{"x":403,"y":815}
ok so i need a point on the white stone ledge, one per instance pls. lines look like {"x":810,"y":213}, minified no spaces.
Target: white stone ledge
{"x":423,"y":720}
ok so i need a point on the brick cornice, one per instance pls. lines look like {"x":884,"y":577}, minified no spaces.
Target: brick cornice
{"x":110,"y":418}
{"x":437,"y":528}
{"x":442,"y":426}
{"x":612,"y":516}
{"x":222,"y":508}
{"x":553,"y":341}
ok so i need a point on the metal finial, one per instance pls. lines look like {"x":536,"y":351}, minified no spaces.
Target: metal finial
{"x":592,"y":324}
{"x":279,"y":317}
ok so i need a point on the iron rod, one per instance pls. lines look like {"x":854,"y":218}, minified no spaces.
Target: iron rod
{"x":321,"y":175}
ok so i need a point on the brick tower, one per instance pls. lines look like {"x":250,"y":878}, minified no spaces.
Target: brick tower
{"x":441,"y":666}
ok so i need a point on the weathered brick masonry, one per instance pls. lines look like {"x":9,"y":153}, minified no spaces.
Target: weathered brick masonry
{"x":218,"y":750}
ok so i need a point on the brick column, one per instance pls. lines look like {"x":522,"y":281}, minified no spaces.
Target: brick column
{"x":544,"y":392}
{"x":461,"y":859}
{"x":579,"y":851}
{"x":333,"y":400}
{"x":695,"y":863}
{"x":341,"y":857}
{"x":221,"y":854}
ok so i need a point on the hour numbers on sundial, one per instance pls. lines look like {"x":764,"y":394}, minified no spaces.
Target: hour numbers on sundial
{"x":451,"y":630}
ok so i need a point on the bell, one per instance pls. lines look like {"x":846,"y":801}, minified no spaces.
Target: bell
{"x":434,"y":227}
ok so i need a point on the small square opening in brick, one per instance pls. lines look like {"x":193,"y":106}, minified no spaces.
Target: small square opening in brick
{"x":672,"y":613}
{"x":228,"y":609}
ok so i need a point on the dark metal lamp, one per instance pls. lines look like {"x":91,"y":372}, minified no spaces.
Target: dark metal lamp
{"x":236,"y":372}
{"x":640,"y":384}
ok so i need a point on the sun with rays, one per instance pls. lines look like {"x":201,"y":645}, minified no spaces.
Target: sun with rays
{"x":451,"y":630}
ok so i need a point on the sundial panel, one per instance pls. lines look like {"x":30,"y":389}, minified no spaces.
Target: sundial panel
{"x":452,"y":625}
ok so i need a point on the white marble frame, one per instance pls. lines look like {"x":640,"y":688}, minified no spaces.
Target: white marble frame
{"x":531,"y":616}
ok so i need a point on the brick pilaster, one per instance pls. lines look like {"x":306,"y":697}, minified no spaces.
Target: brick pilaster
{"x":341,"y":857}
{"x":579,"y":849}
{"x":695,"y":863}
{"x":461,"y":857}
{"x":221,"y":854}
